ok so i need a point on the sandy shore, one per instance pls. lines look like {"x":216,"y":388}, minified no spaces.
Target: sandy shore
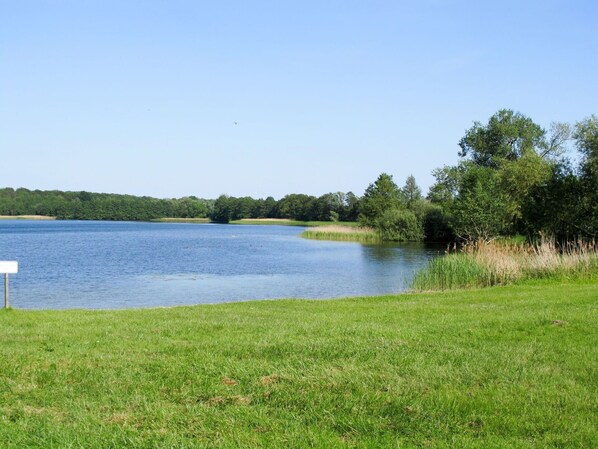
{"x":26,"y":217}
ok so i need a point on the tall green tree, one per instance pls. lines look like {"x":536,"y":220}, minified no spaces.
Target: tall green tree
{"x":379,"y":197}
{"x":411,"y":191}
{"x":503,"y":161}
{"x":586,"y":141}
{"x":481,"y":210}
{"x":507,"y":136}
{"x":222,"y":210}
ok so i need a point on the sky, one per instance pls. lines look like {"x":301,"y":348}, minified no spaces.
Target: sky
{"x":265,"y":98}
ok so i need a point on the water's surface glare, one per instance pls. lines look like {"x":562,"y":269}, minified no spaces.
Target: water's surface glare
{"x":79,"y":264}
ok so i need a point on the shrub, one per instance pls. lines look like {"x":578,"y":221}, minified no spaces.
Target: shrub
{"x":400,"y":226}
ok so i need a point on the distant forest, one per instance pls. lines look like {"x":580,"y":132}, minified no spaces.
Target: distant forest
{"x":513,"y":177}
{"x":107,"y":206}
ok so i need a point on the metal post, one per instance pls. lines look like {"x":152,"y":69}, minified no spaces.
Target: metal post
{"x":6,"y":290}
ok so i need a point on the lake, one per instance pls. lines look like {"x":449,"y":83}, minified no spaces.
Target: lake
{"x":106,"y":265}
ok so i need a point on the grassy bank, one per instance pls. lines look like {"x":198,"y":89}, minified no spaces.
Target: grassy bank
{"x":181,"y":220}
{"x":26,"y":217}
{"x":494,"y":368}
{"x":287,"y":222}
{"x":342,"y":233}
{"x":489,"y":264}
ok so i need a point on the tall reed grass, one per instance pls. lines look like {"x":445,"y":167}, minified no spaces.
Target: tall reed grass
{"x":342,"y":233}
{"x":487,"y":264}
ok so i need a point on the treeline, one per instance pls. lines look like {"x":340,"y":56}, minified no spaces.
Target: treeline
{"x":337,"y":206}
{"x":98,"y":206}
{"x":513,"y":177}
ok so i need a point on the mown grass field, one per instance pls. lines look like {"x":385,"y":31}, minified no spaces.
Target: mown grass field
{"x":503,"y":367}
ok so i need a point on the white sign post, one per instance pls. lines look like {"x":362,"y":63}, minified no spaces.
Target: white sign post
{"x":6,"y":267}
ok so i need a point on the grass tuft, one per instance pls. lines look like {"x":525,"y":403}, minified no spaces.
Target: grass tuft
{"x":342,"y":233}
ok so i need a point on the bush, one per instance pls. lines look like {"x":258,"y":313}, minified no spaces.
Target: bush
{"x":436,"y":225}
{"x":399,"y":226}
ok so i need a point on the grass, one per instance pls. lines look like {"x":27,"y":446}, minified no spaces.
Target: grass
{"x":342,"y":233}
{"x":488,"y":264}
{"x":506,"y":367}
{"x":288,"y":222}
{"x":181,"y":220}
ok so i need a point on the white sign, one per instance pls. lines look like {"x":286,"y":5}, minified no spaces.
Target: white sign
{"x":9,"y":266}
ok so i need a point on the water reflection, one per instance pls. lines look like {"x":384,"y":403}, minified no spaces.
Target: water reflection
{"x":395,"y":252}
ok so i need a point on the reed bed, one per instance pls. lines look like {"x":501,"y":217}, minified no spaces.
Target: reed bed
{"x":342,"y":233}
{"x":486,"y":264}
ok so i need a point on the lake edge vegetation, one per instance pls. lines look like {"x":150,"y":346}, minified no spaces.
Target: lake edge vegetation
{"x":487,"y":264}
{"x":342,"y":233}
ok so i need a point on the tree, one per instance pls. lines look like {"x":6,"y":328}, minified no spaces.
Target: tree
{"x":556,"y":207}
{"x":586,"y":141}
{"x":298,"y":206}
{"x":411,"y":191}
{"x":351,"y":207}
{"x":517,"y":178}
{"x":503,"y":162}
{"x":448,"y":179}
{"x":221,"y":213}
{"x":380,"y":196}
{"x":507,"y":136}
{"x":480,"y":211}
{"x":436,"y":225}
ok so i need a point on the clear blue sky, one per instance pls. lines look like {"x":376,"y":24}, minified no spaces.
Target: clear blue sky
{"x":141,"y":97}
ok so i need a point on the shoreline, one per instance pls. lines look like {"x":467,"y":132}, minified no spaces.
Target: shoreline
{"x":26,"y":217}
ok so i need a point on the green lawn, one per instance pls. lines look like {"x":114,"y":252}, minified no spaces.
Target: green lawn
{"x":501,"y":367}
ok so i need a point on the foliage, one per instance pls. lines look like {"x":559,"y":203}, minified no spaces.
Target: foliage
{"x":379,"y":197}
{"x":399,"y":225}
{"x":480,"y":211}
{"x":411,"y":191}
{"x":222,"y":210}
{"x":511,"y":180}
{"x":98,"y":206}
{"x":586,"y":141}
{"x":436,"y":225}
{"x":556,"y":207}
{"x":507,"y":136}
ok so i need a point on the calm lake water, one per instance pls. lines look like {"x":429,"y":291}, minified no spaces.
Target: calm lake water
{"x":104,"y":265}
